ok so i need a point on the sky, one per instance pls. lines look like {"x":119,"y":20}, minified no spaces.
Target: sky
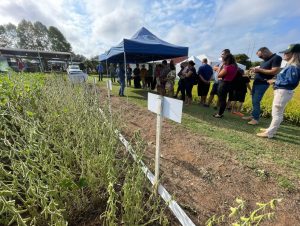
{"x":205,"y":26}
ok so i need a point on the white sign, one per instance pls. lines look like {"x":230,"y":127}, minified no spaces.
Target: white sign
{"x":172,"y":108}
{"x":109,"y":84}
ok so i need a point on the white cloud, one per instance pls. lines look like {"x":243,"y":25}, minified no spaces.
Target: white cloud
{"x":206,"y":27}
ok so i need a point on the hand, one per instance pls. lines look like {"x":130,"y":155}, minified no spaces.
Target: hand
{"x":271,"y":81}
{"x":255,"y":69}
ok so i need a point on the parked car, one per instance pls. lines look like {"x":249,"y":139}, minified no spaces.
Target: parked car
{"x":76,"y":75}
{"x":73,"y":68}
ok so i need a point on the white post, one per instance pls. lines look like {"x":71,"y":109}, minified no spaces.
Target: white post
{"x":158,"y":136}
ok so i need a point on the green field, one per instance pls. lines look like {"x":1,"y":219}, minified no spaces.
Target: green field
{"x":282,"y":152}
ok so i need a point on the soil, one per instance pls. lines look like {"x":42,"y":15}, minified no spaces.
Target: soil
{"x":203,"y":176}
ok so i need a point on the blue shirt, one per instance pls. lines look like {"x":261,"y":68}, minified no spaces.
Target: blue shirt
{"x":100,"y":68}
{"x":288,"y":78}
{"x":121,"y":73}
{"x":205,"y":71}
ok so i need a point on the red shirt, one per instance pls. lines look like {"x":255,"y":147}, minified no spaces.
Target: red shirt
{"x":231,"y":71}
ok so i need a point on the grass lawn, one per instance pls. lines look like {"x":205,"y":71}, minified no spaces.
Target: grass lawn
{"x":282,"y":154}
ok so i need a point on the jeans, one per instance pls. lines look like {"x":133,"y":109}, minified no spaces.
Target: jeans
{"x":258,"y":92}
{"x":122,"y":87}
{"x":281,"y":98}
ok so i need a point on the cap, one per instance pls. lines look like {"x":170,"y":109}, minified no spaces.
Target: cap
{"x":293,"y":48}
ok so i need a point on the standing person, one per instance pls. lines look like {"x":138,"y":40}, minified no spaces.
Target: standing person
{"x":163,"y":77}
{"x":181,"y":86}
{"x":136,"y":77}
{"x":157,"y":77}
{"x":171,"y":80}
{"x":267,"y":70}
{"x":100,"y":71}
{"x":149,"y":77}
{"x":143,"y":74}
{"x":242,"y":82}
{"x":121,"y":78}
{"x":205,"y":73}
{"x":217,"y":69}
{"x":128,"y":74}
{"x":112,"y":71}
{"x":189,"y":76}
{"x":226,"y":75}
{"x":284,"y":85}
{"x":20,"y":65}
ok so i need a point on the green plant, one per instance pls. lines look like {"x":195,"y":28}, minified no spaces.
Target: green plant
{"x":60,"y":159}
{"x":238,"y":217}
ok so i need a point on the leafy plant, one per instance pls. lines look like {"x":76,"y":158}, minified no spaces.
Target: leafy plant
{"x":61,"y":160}
{"x":238,"y":217}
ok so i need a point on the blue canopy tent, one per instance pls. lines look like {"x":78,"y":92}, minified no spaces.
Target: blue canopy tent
{"x":142,"y":47}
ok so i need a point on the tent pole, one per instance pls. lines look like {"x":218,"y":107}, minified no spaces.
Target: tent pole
{"x":125,"y":75}
{"x":125,"y":68}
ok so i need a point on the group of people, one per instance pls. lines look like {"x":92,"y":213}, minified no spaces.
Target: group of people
{"x":230,"y":83}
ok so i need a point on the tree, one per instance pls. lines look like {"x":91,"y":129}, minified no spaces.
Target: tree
{"x":8,"y":36}
{"x":26,"y":35}
{"x":41,"y":36}
{"x":33,"y":36}
{"x":78,"y":58}
{"x":243,"y":59}
{"x":58,"y":40}
{"x":3,"y":40}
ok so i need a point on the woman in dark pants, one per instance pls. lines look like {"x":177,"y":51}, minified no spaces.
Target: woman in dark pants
{"x":188,"y":81}
{"x":226,"y":76}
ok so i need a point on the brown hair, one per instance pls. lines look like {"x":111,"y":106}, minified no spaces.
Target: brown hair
{"x":264,"y":50}
{"x":229,"y":59}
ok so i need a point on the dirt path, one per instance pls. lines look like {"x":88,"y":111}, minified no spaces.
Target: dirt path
{"x":204,"y":177}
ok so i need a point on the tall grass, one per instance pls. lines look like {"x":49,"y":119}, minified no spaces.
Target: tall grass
{"x":61,"y":162}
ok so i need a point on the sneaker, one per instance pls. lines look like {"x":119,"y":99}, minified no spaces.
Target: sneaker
{"x":263,"y":135}
{"x":217,"y":116}
{"x":247,"y":117}
{"x":253,"y":122}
